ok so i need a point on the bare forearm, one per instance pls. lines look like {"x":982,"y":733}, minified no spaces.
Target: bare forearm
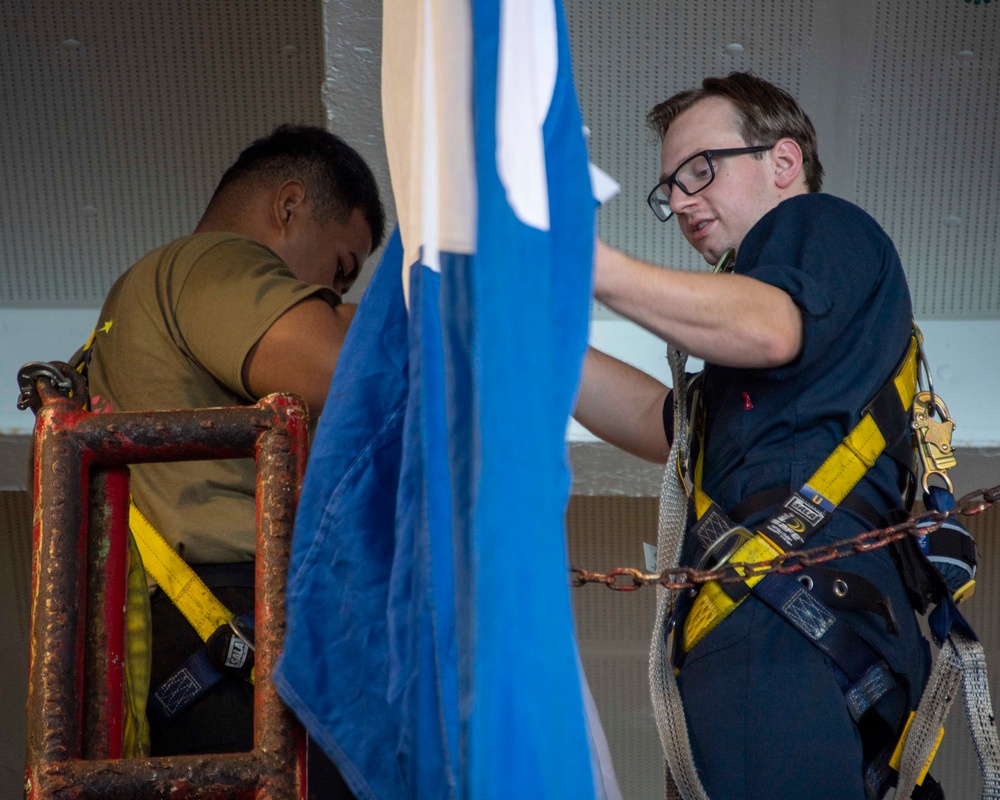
{"x":731,"y":320}
{"x":623,"y":406}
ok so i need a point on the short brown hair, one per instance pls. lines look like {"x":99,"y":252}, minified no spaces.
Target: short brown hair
{"x":765,"y":114}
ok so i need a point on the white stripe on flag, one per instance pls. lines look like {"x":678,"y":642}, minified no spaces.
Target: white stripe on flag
{"x":430,"y":188}
{"x":426,"y":92}
{"x":526,"y":77}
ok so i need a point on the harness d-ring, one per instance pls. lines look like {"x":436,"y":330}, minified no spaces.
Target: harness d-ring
{"x":739,"y":532}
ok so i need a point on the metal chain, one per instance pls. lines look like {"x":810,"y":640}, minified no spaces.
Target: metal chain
{"x":628,"y":579}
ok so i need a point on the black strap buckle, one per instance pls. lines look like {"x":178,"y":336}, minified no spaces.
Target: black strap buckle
{"x":231,"y":647}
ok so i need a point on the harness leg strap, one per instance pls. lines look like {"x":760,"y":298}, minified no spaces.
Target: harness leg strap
{"x":870,"y":682}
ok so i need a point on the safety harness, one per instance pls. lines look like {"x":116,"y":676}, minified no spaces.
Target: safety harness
{"x":228,"y":638}
{"x":883,"y":426}
{"x":810,"y":600}
{"x":938,"y":569}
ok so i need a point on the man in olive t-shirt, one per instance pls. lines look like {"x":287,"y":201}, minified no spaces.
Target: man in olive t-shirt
{"x":247,"y":305}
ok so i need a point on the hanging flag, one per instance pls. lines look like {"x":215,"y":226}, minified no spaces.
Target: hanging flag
{"x":430,"y":647}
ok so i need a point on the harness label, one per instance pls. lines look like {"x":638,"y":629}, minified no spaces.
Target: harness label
{"x":787,"y":529}
{"x":817,"y":498}
{"x":798,"y":520}
{"x":238,"y":652}
{"x":803,"y":508}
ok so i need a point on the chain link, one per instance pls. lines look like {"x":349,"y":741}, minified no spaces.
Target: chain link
{"x":628,"y":579}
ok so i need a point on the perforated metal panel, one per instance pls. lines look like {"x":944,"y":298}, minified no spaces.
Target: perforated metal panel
{"x":905,"y":97}
{"x":956,"y":765}
{"x":119,"y":119}
{"x":613,"y":630}
{"x":928,"y":164}
{"x":120,"y":116}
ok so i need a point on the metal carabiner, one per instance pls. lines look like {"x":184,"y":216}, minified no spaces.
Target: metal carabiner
{"x":726,"y":262}
{"x":924,"y":366}
{"x":934,"y":447}
{"x":240,"y":631}
{"x":31,"y":372}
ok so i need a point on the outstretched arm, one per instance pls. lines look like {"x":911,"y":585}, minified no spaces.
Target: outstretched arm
{"x":299,"y":352}
{"x":623,"y":406}
{"x":730,"y":320}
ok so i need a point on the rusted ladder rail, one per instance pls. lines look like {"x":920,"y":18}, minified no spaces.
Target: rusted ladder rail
{"x":76,"y":674}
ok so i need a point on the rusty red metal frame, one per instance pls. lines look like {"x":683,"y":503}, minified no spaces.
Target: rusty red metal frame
{"x":78,"y":597}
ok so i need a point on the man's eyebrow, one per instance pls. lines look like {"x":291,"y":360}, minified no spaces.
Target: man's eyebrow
{"x":664,"y":176}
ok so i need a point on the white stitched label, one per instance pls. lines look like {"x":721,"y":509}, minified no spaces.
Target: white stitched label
{"x":808,"y":614}
{"x":174,"y":694}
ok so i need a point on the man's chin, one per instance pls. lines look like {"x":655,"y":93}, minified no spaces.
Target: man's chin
{"x":702,"y":248}
{"x":709,"y":254}
{"x":713,"y":253}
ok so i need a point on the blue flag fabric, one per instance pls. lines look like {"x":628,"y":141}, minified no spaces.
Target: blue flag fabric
{"x":531,"y":289}
{"x":430,"y":647}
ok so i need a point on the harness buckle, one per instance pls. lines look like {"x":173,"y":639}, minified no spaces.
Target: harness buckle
{"x":231,"y":648}
{"x":933,"y":437}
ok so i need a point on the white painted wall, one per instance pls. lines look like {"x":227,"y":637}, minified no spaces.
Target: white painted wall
{"x":962,"y":355}
{"x":32,"y":334}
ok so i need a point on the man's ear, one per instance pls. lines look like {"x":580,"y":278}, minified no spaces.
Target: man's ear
{"x":786,"y":156}
{"x":287,"y":201}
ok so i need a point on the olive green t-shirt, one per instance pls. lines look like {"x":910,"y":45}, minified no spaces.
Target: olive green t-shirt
{"x":174,"y":333}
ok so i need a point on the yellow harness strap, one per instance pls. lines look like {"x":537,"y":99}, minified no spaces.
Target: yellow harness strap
{"x":830,"y":484}
{"x":187,"y":591}
{"x":138,"y":657}
{"x":897,"y":756}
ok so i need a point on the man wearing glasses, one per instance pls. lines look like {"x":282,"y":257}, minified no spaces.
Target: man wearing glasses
{"x":799,"y":333}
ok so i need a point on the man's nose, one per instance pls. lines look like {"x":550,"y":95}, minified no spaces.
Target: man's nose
{"x":679,"y":200}
{"x":341,"y":286}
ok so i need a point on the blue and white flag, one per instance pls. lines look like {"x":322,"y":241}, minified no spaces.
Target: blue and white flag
{"x":430,"y":646}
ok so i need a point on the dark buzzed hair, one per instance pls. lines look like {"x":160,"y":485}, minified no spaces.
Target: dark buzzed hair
{"x":765,"y":114}
{"x":336,"y":178}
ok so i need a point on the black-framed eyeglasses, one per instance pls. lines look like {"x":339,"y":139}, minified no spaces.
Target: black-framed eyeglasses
{"x":692,"y":176}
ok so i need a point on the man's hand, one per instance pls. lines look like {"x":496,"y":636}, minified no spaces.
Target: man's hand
{"x":299,"y":352}
{"x":730,"y":320}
